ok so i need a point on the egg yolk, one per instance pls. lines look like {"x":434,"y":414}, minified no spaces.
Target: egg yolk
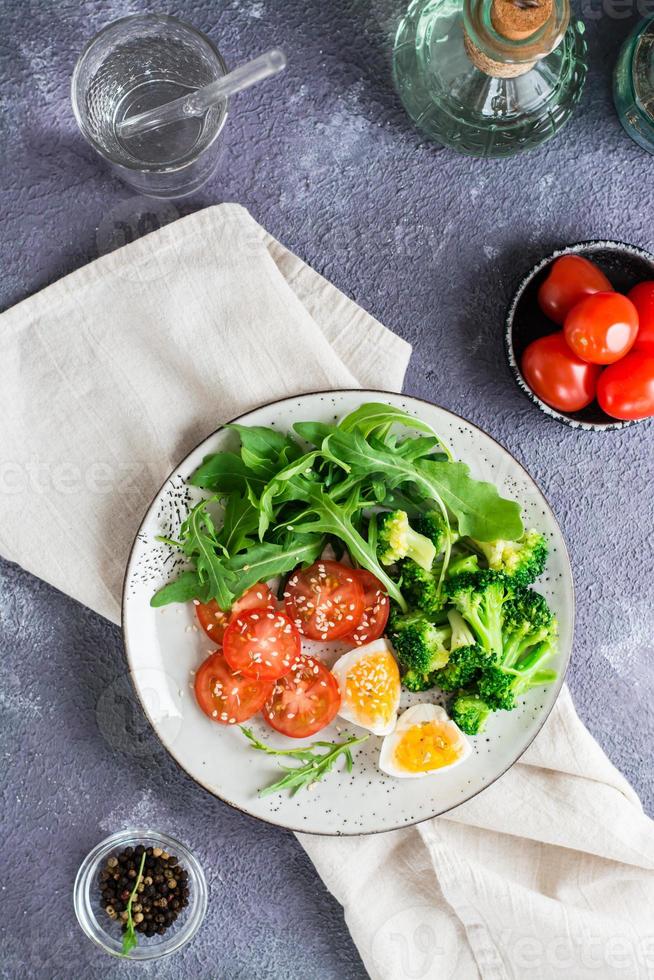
{"x":371,"y":688}
{"x":430,"y":745}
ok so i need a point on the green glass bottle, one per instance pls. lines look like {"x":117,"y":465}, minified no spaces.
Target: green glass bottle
{"x":489,"y":78}
{"x":633,"y":84}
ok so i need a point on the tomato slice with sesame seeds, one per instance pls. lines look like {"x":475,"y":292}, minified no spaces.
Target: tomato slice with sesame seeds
{"x":261,"y":643}
{"x":226,"y":697}
{"x":214,"y":621}
{"x":376,"y":609}
{"x":304,"y":701}
{"x":324,"y":601}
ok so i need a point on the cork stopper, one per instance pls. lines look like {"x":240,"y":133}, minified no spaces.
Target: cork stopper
{"x":519,"y":19}
{"x":514,"y":20}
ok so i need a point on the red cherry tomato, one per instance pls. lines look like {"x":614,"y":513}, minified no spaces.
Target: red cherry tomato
{"x":226,"y":697}
{"x":376,"y":609}
{"x":304,"y":701}
{"x":642,"y":296}
{"x":325,"y":601}
{"x":602,"y":328}
{"x":626,"y":388}
{"x":570,"y":279}
{"x":261,"y":643}
{"x":214,"y":621}
{"x":557,"y":375}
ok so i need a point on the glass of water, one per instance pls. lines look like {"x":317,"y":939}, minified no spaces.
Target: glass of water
{"x":136,"y":64}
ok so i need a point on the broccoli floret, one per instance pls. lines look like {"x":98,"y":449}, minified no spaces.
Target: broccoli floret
{"x":500,"y":684}
{"x":469,"y":712}
{"x":421,"y":648}
{"x":462,"y":563}
{"x":528,"y":621}
{"x":396,"y":540}
{"x":433,"y":525}
{"x":461,"y":634}
{"x":420,"y":588}
{"x":496,"y":687}
{"x":414,"y":681}
{"x":466,"y":657}
{"x":522,"y":560}
{"x":462,"y":668}
{"x":528,"y":638}
{"x":480,"y":598}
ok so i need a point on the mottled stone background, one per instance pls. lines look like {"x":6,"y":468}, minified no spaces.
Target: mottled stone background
{"x":429,"y":242}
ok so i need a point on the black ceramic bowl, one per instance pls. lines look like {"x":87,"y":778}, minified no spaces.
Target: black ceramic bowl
{"x":624,"y":265}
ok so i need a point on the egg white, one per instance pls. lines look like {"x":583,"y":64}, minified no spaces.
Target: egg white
{"x":414,"y":716}
{"x":340,"y":671}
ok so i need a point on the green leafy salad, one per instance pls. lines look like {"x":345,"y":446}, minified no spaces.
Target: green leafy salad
{"x":381,"y":489}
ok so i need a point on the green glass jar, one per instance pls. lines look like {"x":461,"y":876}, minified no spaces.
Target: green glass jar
{"x":482,"y":91}
{"x":633,"y":85}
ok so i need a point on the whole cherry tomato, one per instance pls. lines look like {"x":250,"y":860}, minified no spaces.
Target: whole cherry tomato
{"x":602,"y":328}
{"x":557,"y":375}
{"x":642,"y":296}
{"x":626,"y":388}
{"x":570,"y":279}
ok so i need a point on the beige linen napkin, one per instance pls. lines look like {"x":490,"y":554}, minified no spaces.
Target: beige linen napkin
{"x":110,"y":376}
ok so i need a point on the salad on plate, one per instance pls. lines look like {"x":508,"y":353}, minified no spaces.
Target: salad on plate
{"x":363,"y":535}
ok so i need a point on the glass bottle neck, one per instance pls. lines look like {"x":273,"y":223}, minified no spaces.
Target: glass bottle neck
{"x":488,"y":22}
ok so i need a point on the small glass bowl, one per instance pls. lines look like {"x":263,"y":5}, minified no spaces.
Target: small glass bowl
{"x":106,"y":933}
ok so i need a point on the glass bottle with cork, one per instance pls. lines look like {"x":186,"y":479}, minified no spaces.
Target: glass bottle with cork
{"x":489,"y":78}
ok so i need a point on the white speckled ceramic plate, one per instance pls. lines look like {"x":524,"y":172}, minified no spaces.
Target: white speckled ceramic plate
{"x":163,"y":649}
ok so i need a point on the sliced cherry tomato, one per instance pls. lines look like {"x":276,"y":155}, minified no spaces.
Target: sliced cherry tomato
{"x":214,"y":621}
{"x":642,"y":296}
{"x":626,"y":388}
{"x":226,"y":697}
{"x":376,"y":609}
{"x":557,"y":375}
{"x":304,"y":701}
{"x":261,"y":643}
{"x":602,"y":328}
{"x":570,"y":279}
{"x":324,"y":601}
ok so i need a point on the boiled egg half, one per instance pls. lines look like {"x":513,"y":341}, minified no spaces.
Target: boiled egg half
{"x":369,"y":681}
{"x":425,"y":740}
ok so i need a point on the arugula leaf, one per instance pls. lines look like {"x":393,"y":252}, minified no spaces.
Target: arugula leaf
{"x":182,"y":589}
{"x":200,"y":542}
{"x":480,"y":511}
{"x":331,"y":517}
{"x":130,"y":939}
{"x":284,"y":486}
{"x":225,"y":473}
{"x":377,"y":418}
{"x":316,"y":764}
{"x":202,"y":545}
{"x":262,"y":447}
{"x":413,"y":449}
{"x":477,"y":506}
{"x":314,"y":432}
{"x":264,"y":561}
{"x":241,"y":522}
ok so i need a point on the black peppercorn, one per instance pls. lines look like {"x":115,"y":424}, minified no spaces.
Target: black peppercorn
{"x":159,"y":888}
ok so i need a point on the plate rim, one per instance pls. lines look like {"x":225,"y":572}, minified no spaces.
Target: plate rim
{"x":126,"y":646}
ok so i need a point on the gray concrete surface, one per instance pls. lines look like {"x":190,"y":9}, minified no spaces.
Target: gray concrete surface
{"x":432,"y":244}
